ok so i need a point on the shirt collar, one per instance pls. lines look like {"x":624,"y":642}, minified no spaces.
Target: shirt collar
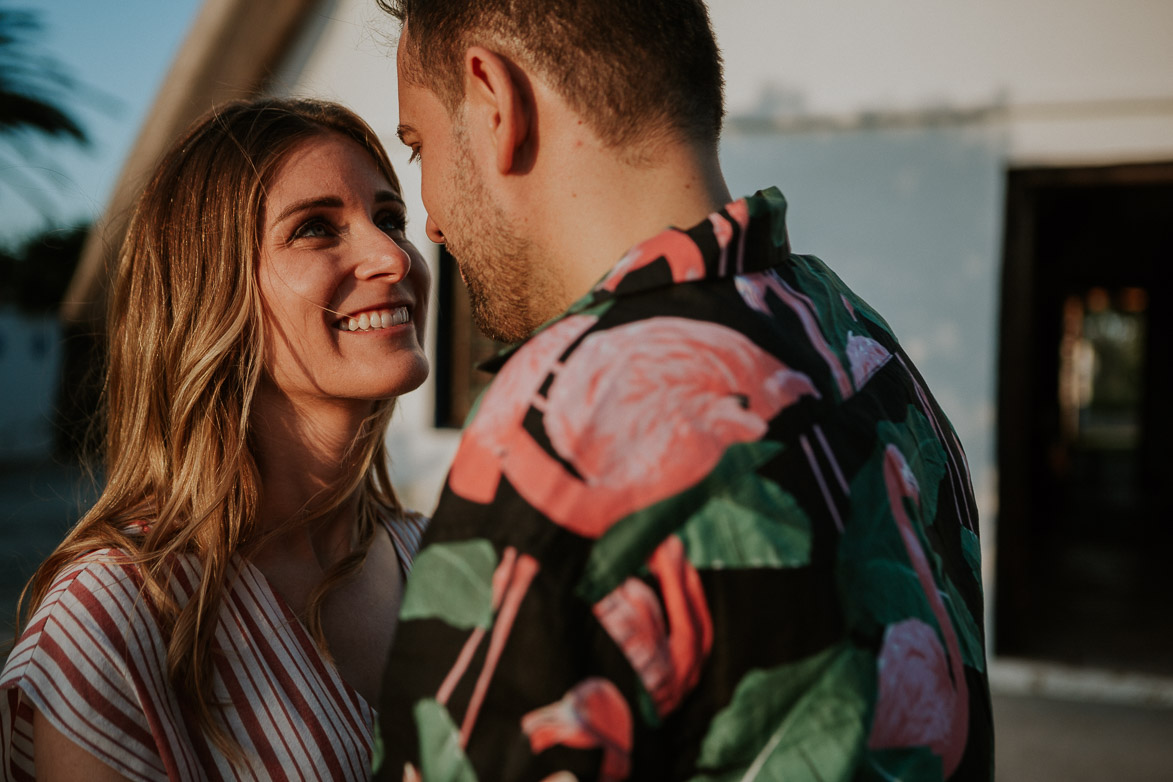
{"x":748,"y":235}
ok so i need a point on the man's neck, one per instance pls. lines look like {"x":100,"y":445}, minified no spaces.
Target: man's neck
{"x":596,"y":204}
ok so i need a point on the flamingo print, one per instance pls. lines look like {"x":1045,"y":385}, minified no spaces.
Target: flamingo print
{"x":592,"y":714}
{"x":921,"y":701}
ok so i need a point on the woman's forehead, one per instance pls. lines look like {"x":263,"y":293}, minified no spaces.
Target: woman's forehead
{"x":327,"y":162}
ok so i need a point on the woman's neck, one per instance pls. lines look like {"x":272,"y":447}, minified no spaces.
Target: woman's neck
{"x":304,"y":454}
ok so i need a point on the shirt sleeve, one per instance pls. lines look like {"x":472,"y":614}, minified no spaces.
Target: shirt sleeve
{"x":89,"y":660}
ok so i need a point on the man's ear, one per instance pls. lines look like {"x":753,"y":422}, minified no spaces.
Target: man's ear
{"x":498,"y":100}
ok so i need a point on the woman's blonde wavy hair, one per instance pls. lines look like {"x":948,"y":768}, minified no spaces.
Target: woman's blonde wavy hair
{"x":186,"y":343}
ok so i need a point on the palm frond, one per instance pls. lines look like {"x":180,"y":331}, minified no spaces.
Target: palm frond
{"x":22,"y":112}
{"x":31,"y":87}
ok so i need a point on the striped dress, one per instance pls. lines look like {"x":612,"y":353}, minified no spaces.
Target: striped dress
{"x":93,"y":661}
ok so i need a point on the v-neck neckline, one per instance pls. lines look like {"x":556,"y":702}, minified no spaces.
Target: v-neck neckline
{"x":307,"y":638}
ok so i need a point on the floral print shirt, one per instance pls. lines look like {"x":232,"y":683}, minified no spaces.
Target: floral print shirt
{"x":708,"y":524}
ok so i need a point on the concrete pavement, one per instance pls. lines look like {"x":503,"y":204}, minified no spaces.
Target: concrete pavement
{"x":1041,"y":739}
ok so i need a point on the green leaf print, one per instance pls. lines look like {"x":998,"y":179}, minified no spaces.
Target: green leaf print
{"x":875,"y":575}
{"x":441,"y":757}
{"x":805,"y":720}
{"x":475,"y":407}
{"x":626,"y":546}
{"x":915,"y":764}
{"x":926,"y":456}
{"x":378,"y":751}
{"x":972,"y":646}
{"x":771,"y":201}
{"x":969,"y":635}
{"x":971,"y":549}
{"x":585,"y":306}
{"x":824,"y":288}
{"x":452,"y":582}
{"x":753,"y":523}
{"x":876,"y":578}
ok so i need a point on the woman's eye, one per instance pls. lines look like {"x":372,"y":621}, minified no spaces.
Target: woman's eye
{"x":312,"y":229}
{"x":391,"y":222}
{"x":415,"y":155}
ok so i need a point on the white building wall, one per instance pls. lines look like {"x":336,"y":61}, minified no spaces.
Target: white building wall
{"x":889,"y":126}
{"x":857,"y":55}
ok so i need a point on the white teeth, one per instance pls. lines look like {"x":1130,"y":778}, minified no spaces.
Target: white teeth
{"x":370,"y":321}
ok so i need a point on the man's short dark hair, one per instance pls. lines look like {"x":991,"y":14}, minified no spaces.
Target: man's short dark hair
{"x":632,"y":69}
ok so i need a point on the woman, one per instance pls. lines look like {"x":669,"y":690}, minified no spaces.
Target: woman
{"x":225,"y":608}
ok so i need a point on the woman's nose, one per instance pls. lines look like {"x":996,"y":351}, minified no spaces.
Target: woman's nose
{"x":383,"y":257}
{"x":434,"y":232}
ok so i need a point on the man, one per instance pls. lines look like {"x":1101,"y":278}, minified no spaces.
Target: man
{"x":708,"y":522}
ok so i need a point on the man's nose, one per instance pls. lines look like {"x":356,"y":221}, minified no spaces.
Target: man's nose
{"x":434,"y":232}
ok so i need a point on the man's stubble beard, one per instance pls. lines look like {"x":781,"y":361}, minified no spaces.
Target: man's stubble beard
{"x":511,"y":290}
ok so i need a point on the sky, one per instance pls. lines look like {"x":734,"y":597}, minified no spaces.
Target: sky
{"x":911,"y":53}
{"x":121,"y":49}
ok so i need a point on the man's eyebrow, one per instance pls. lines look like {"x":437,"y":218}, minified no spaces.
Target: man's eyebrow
{"x":403,"y":130}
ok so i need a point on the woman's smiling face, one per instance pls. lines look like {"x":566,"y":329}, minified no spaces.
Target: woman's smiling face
{"x":344,"y":292}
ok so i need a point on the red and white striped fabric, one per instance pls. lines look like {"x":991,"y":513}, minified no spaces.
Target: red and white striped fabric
{"x":93,"y":661}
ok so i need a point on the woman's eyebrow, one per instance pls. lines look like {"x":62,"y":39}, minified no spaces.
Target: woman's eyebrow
{"x":309,"y":203}
{"x":333,"y":202}
{"x":383,"y":196}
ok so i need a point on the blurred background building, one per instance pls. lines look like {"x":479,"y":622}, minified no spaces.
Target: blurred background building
{"x":996,"y":178}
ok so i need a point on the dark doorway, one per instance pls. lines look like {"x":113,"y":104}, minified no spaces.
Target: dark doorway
{"x":1085,"y":431}
{"x":460,"y":348}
